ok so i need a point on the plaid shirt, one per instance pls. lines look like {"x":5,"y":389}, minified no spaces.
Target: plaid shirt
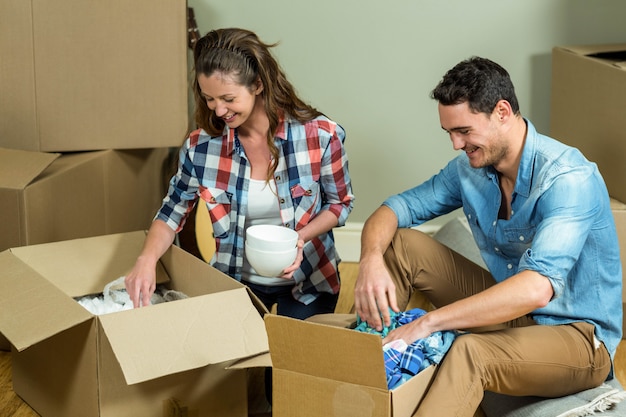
{"x":402,"y":361}
{"x":312,"y":175}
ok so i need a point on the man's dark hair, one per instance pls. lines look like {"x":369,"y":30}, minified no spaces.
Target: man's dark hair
{"x":479,"y":82}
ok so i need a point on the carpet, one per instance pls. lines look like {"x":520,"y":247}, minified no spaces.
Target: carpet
{"x":603,"y":401}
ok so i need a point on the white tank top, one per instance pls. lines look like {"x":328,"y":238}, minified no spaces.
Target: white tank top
{"x":262,"y":209}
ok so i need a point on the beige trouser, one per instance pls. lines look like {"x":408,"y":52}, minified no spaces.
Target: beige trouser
{"x":515,"y":358}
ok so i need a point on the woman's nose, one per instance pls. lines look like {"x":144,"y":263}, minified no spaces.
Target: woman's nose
{"x":220,"y":109}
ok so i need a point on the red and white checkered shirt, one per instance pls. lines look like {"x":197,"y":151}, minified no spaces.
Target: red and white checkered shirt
{"x":312,"y":175}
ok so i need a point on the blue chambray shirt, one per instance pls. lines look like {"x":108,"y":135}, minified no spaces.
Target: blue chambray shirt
{"x":561,"y":226}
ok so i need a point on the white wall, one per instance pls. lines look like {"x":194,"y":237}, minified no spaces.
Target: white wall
{"x":371,"y":65}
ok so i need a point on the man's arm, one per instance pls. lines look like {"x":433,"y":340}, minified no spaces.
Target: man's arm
{"x":375,"y":291}
{"x":505,"y":301}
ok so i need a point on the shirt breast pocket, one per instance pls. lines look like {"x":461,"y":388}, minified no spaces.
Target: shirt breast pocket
{"x":305,"y":196}
{"x":519,"y":238}
{"x":218,"y":203}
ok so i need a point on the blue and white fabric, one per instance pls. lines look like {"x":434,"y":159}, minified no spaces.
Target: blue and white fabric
{"x":404,"y":361}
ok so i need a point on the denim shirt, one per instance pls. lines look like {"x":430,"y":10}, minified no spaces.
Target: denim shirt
{"x":561,"y":226}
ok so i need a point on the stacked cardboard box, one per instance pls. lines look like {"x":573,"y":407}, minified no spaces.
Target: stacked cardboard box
{"x":80,"y":76}
{"x":48,"y":197}
{"x":77,"y":80}
{"x":587,"y":112}
{"x":96,"y":97}
{"x":139,"y":362}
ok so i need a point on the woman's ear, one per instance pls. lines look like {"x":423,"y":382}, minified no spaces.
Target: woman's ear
{"x":259,"y":86}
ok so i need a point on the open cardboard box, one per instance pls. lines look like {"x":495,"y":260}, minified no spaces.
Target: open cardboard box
{"x":49,"y":197}
{"x":80,"y":76}
{"x":140,"y":362}
{"x":587,"y":107}
{"x":326,"y":370}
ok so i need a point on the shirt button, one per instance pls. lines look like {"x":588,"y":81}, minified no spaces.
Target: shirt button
{"x":282,"y":201}
{"x":469,"y":216}
{"x":509,"y":266}
{"x":512,"y":212}
{"x":494,"y":223}
{"x":497,"y":249}
{"x":277,"y":177}
{"x":521,"y":238}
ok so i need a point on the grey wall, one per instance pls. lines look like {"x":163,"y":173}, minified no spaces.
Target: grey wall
{"x":370,"y":65}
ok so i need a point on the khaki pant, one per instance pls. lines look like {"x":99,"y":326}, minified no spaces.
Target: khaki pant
{"x":515,"y":358}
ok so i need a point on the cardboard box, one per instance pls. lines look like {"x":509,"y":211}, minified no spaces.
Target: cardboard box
{"x":340,"y":370}
{"x":48,"y":197}
{"x":140,"y":362}
{"x":587,"y":107}
{"x":619,"y":214}
{"x":93,"y":75}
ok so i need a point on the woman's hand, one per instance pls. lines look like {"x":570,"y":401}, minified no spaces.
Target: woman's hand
{"x":141,"y":282}
{"x":289,"y":271}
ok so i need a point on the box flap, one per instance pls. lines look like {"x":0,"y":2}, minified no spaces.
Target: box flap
{"x":264,"y":360}
{"x":610,"y":54}
{"x":84,"y":266}
{"x":593,"y":49}
{"x":172,"y":337}
{"x":31,"y":308}
{"x":408,"y":396}
{"x":19,"y":168}
{"x":304,"y":347}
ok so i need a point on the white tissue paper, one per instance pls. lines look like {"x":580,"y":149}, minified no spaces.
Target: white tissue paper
{"x":115,"y":298}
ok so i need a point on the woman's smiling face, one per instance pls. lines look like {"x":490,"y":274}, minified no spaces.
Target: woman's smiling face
{"x":230,"y":101}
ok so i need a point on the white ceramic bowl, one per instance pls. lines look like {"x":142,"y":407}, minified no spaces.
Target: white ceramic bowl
{"x":272,"y":238}
{"x":270,"y":263}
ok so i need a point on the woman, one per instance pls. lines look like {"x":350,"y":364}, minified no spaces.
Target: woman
{"x":260,"y":156}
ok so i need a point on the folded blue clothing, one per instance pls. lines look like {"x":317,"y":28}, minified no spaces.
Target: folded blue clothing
{"x":401,"y":361}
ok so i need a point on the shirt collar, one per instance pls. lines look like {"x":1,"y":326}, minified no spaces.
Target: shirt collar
{"x":525,"y":170}
{"x":232,"y":142}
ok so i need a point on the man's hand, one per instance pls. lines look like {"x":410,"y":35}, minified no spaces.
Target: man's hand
{"x":409,"y":332}
{"x":374,"y":293}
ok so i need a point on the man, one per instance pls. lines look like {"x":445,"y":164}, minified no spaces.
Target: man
{"x":539,"y":213}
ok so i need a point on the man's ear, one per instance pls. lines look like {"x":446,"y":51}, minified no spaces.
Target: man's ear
{"x":503,"y":110}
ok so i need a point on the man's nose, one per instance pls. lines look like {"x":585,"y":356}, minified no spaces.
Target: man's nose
{"x":457,"y":142}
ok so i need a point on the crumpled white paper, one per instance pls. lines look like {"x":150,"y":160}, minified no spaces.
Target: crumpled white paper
{"x":115,"y":298}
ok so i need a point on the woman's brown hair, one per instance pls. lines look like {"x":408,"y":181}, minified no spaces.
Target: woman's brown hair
{"x":243,"y":56}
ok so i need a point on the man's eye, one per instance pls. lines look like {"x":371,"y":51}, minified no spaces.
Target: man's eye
{"x":464,"y":132}
{"x":229,"y":100}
